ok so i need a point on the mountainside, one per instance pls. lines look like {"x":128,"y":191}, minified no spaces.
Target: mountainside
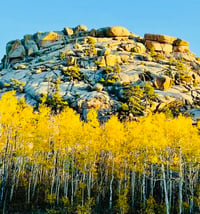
{"x":109,"y":69}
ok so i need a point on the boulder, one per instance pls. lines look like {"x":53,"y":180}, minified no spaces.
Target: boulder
{"x":115,"y":31}
{"x":112,"y":60}
{"x":139,"y":48}
{"x":195,"y":113}
{"x":124,"y":58}
{"x":44,"y":39}
{"x":15,"y":51}
{"x":163,"y":47}
{"x":162,"y":82}
{"x":128,"y":77}
{"x":181,"y":48}
{"x":128,"y":46}
{"x":80,"y":28}
{"x":160,"y":38}
{"x":98,"y":87}
{"x":180,"y":42}
{"x":134,"y":47}
{"x":31,"y":47}
{"x":101,"y":61}
{"x":96,"y":100}
{"x":68,"y":31}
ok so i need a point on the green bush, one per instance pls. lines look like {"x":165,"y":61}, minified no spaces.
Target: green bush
{"x":149,"y":93}
{"x":180,"y":66}
{"x":16,"y":85}
{"x":132,"y":98}
{"x":91,"y":51}
{"x":183,"y":77}
{"x":54,"y":101}
{"x":135,"y":100}
{"x":168,"y":72}
{"x":62,"y":55}
{"x":108,"y":70}
{"x":156,"y":55}
{"x":73,"y":72}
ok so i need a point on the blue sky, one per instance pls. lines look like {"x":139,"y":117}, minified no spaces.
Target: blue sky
{"x":171,"y":17}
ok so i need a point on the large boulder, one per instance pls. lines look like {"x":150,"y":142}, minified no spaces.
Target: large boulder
{"x":44,"y":39}
{"x":115,"y":31}
{"x":162,"y":82}
{"x":139,"y":48}
{"x":134,"y":47}
{"x":181,"y":46}
{"x":180,"y":42}
{"x":15,"y":51}
{"x":30,"y":45}
{"x":128,"y":46}
{"x":68,"y":31}
{"x":163,"y":47}
{"x":160,"y":38}
{"x":112,"y":60}
{"x":95,"y":99}
{"x":80,"y":28}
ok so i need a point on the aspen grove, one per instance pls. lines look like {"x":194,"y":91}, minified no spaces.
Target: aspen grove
{"x":58,"y":163}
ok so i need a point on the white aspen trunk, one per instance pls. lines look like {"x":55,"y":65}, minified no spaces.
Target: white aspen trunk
{"x":19,"y":170}
{"x":106,"y":182}
{"x":100,"y":186}
{"x":66,"y":180}
{"x":13,"y":184}
{"x":40,"y":174}
{"x":72,"y":182}
{"x":92,"y":177}
{"x":161,"y":191}
{"x":186,"y":183}
{"x":66,"y":185}
{"x":4,"y":203}
{"x":144,"y":188}
{"x":180,"y":185}
{"x":111,"y":182}
{"x":151,"y":181}
{"x":165,"y":189}
{"x":83,"y":189}
{"x":133,"y":188}
{"x":191,"y":187}
{"x":53,"y":180}
{"x":125,"y":173}
{"x":76,"y":181}
{"x":29,"y":190}
{"x":58,"y":187}
{"x":119,"y":186}
{"x":35,"y":181}
{"x":3,"y":182}
{"x":89,"y":184}
{"x":29,"y":185}
{"x":170,"y":187}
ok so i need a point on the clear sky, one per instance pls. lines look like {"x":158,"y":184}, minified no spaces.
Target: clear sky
{"x":178,"y":18}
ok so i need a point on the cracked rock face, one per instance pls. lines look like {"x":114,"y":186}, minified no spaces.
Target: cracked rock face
{"x":103,"y":69}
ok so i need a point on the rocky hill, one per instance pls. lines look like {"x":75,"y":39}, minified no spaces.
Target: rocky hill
{"x":109,"y":69}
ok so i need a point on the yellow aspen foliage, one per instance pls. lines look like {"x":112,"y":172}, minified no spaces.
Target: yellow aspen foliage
{"x":61,"y":163}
